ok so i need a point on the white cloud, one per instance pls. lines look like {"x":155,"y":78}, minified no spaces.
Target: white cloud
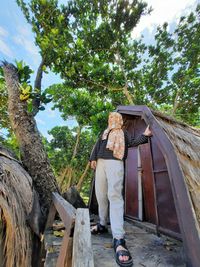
{"x":47,"y":136}
{"x":3,"y":32}
{"x":25,"y":39}
{"x":51,"y":113}
{"x":40,"y":121}
{"x":26,"y":44}
{"x":163,"y":11}
{"x":4,"y":49}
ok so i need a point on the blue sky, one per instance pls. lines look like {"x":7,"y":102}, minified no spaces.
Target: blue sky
{"x":17,"y":42}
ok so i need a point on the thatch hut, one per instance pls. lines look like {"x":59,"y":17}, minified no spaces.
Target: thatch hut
{"x":16,"y":200}
{"x":162,"y":178}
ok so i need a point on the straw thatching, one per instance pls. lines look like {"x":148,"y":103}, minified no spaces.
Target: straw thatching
{"x":16,"y":199}
{"x":186,"y":142}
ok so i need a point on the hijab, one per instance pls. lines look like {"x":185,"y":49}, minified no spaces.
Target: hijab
{"x":115,"y":135}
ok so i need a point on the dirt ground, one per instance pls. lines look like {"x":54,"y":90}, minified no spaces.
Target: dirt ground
{"x":147,"y":249}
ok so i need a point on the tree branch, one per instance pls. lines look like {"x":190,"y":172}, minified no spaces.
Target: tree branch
{"x":125,"y":87}
{"x":80,"y":182}
{"x":37,"y":88}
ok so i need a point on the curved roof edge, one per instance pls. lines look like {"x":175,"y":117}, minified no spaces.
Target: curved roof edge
{"x":186,"y":216}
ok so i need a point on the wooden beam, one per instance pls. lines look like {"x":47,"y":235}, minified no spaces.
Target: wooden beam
{"x":64,"y":258}
{"x":51,"y":216}
{"x":66,"y":211}
{"x":82,"y":247}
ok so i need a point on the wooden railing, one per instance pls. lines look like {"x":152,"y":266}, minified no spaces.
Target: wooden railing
{"x":76,"y":248}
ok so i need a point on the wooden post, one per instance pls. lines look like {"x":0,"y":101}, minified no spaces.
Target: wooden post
{"x":67,"y":213}
{"x":82,"y":246}
{"x":140,"y":198}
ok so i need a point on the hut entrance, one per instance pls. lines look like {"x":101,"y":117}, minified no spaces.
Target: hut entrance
{"x":148,"y":193}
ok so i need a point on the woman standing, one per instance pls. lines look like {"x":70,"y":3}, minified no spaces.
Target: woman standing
{"x":107,"y":158}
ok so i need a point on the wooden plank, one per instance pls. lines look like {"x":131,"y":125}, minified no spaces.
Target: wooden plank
{"x":51,"y":216}
{"x":149,"y":195}
{"x":69,"y":252}
{"x":140,"y":193}
{"x":66,"y":211}
{"x":131,"y":184}
{"x":82,"y":247}
{"x":64,"y":251}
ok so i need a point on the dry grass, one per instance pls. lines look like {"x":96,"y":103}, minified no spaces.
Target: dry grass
{"x":15,"y":203}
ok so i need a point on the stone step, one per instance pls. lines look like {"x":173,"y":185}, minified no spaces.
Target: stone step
{"x":50,"y":240}
{"x":51,"y":259}
{"x":52,"y":244}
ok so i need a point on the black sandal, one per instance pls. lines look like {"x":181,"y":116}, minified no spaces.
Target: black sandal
{"x":100,"y":229}
{"x":121,"y":242}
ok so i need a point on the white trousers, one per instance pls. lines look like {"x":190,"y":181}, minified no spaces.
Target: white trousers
{"x":108,"y":186}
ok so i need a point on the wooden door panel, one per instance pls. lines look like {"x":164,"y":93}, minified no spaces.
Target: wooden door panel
{"x":148,"y":184}
{"x":131,"y":185}
{"x":165,"y":205}
{"x":167,"y":217}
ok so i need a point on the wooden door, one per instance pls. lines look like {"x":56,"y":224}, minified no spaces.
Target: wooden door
{"x":148,"y":186}
{"x":167,"y":217}
{"x":133,"y":194}
{"x":131,"y":185}
{"x":158,"y":201}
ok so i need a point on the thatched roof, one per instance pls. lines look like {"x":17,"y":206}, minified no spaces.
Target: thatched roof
{"x":186,"y":143}
{"x":16,"y":199}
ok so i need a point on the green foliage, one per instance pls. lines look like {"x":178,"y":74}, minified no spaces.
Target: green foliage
{"x":24,"y":72}
{"x":10,"y":142}
{"x":80,"y":40}
{"x":27,"y":92}
{"x":88,"y":109}
{"x":60,"y":150}
{"x":172,"y":73}
{"x":4,"y":121}
{"x":89,"y":44}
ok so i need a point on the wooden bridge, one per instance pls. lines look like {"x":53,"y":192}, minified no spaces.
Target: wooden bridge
{"x":68,"y":242}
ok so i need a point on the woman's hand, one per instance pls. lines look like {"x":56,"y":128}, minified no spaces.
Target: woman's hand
{"x":93,"y":164}
{"x":147,"y":132}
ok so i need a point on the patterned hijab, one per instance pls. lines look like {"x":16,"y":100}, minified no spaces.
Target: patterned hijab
{"x":115,"y":135}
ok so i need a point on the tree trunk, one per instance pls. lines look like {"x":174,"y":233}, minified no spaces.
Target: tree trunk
{"x":128,"y":95}
{"x":69,"y":176}
{"x":71,"y":170}
{"x":80,"y":182}
{"x":125,"y":87}
{"x":37,"y":88}
{"x":77,"y":142}
{"x":61,"y":178}
{"x":176,"y":101}
{"x":33,"y":154}
{"x":68,"y":171}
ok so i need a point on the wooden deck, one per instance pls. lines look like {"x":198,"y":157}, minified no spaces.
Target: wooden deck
{"x":76,"y":248}
{"x":147,"y":249}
